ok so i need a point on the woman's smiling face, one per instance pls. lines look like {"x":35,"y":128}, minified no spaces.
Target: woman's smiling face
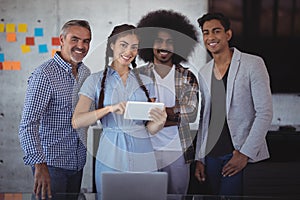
{"x":125,"y":49}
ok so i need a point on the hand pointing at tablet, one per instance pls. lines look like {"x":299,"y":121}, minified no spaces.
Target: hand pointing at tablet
{"x":118,"y":108}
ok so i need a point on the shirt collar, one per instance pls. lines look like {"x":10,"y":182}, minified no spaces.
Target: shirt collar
{"x":111,"y":71}
{"x":63,"y":64}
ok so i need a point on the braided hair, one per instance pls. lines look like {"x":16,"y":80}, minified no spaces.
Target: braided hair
{"x":119,"y":31}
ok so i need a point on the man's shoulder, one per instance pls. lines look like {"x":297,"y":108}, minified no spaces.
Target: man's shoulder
{"x":185,"y":71}
{"x":85,"y":68}
{"x":240,"y":55}
{"x":145,"y":65}
{"x":145,"y":68}
{"x":45,"y":67}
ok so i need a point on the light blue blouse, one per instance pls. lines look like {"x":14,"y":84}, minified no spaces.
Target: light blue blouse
{"x":124,"y":144}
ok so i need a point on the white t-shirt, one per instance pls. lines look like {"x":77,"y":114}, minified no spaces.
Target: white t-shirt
{"x":166,"y":139}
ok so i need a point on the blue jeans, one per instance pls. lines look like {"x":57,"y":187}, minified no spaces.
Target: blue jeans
{"x":66,"y":182}
{"x":218,"y":184}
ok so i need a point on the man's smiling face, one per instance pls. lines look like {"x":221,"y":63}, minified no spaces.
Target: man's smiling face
{"x":163,"y":48}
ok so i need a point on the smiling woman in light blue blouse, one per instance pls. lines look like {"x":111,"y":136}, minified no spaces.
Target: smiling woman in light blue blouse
{"x":124,"y":144}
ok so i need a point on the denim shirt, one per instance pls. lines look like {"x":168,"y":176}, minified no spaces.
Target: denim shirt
{"x":124,"y":144}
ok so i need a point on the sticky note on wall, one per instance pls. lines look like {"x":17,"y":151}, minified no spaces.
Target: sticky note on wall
{"x":11,"y":65}
{"x":55,"y":41}
{"x":29,"y":41}
{"x":25,"y":48}
{"x":10,"y":28}
{"x":16,"y":65}
{"x":53,"y":52}
{"x":38,"y":32}
{"x":9,"y":196}
{"x":1,"y":57}
{"x":43,"y":48}
{"x":22,"y":28}
{"x":2,"y":28}
{"x":11,"y":37}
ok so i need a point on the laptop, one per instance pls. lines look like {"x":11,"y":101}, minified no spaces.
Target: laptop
{"x":134,"y":186}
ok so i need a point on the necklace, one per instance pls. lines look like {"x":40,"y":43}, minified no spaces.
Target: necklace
{"x":219,"y":73}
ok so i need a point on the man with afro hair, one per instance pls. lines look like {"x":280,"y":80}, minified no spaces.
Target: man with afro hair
{"x":166,"y":39}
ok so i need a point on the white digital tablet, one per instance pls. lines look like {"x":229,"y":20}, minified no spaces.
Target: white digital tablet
{"x":140,"y":110}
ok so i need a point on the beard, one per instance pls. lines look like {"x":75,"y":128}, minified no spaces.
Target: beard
{"x":77,"y":57}
{"x":159,"y":56}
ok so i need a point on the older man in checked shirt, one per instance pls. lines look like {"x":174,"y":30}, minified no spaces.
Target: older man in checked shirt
{"x":50,"y":144}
